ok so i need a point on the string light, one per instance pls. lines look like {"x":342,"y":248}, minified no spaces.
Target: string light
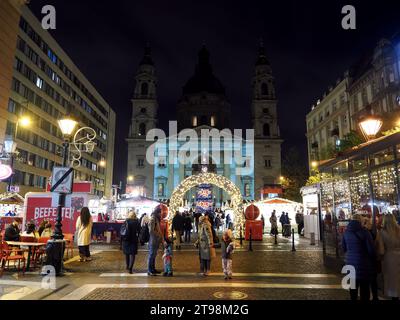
{"x":177,"y":196}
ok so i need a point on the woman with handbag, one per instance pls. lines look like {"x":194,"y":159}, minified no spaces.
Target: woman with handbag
{"x":205,"y":245}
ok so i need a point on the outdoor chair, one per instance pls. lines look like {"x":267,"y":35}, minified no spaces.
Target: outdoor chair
{"x":8,"y":254}
{"x":69,"y":246}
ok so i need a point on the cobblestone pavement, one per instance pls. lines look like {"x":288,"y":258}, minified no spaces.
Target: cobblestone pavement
{"x":215,"y":293}
{"x":268,"y":272}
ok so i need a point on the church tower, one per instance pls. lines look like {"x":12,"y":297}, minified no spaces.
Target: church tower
{"x":144,"y":118}
{"x":267,"y":144}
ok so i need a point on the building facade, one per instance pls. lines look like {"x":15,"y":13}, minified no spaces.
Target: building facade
{"x":45,"y":86}
{"x":10,"y":11}
{"x":370,"y":86}
{"x":203,"y":105}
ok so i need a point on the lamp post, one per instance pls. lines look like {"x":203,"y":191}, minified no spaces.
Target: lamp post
{"x":370,"y":127}
{"x":67,"y":126}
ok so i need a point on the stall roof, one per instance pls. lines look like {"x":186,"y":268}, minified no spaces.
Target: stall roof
{"x":277,"y":201}
{"x":362,"y":150}
{"x":11,"y":198}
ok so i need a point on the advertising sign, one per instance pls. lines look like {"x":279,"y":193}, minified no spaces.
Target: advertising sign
{"x":204,"y":198}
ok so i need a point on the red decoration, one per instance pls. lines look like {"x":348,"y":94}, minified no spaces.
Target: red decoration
{"x":252,"y":212}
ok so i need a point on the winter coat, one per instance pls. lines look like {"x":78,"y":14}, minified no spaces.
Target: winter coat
{"x":84,"y":232}
{"x":155,"y":231}
{"x":187,"y":223}
{"x":299,"y":218}
{"x":130,"y":244}
{"x":205,"y":240}
{"x":227,"y":249}
{"x":178,"y":222}
{"x":46,"y":233}
{"x":11,"y":233}
{"x":360,"y":251}
{"x":389,"y":248}
{"x":274,"y":222}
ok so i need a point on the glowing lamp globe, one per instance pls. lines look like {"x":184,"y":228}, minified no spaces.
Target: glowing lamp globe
{"x":370,"y":126}
{"x":5,"y":171}
{"x":67,"y":126}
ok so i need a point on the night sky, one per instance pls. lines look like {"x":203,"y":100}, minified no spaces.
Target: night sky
{"x":304,"y":41}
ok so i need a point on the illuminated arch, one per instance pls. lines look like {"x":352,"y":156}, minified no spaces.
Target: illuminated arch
{"x":227,"y":185}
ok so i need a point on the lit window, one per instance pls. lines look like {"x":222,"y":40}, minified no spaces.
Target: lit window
{"x":194,"y":121}
{"x":161,"y":189}
{"x":212,"y":121}
{"x":39,"y":82}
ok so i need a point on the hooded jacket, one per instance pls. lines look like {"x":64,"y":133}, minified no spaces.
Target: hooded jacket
{"x":360,"y":251}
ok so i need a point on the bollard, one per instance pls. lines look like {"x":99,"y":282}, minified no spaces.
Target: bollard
{"x":251,"y":242}
{"x":241,"y":237}
{"x":312,"y":239}
{"x":276,"y":238}
{"x":293,"y":248}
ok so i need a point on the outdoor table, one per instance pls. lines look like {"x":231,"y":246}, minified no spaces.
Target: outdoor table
{"x":30,"y":245}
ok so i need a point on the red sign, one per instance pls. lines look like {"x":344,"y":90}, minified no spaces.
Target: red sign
{"x":252,"y":212}
{"x":81,"y":186}
{"x":44,"y":207}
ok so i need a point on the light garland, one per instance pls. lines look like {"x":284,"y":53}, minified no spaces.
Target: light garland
{"x":214,"y":179}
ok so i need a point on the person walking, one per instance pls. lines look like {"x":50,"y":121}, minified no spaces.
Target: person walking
{"x":227,"y":247}
{"x":205,"y":245}
{"x":228,"y":220}
{"x":130,"y":240}
{"x":155,"y":239}
{"x":187,"y":225}
{"x":178,"y":227}
{"x":360,"y":253}
{"x":300,"y":222}
{"x":388,"y":241}
{"x":263,"y":223}
{"x":274,"y":224}
{"x":197,"y":216}
{"x":84,"y":225}
{"x":282,"y":220}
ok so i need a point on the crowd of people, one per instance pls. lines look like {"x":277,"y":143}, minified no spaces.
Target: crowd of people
{"x":371,"y":253}
{"x":148,"y":229}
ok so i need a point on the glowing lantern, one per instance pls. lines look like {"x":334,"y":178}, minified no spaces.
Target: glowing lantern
{"x":370,"y":126}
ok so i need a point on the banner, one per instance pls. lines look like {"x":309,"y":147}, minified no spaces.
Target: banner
{"x":39,"y":208}
{"x":204,"y":198}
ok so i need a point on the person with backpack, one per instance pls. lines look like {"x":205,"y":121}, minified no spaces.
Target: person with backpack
{"x":129,"y":236}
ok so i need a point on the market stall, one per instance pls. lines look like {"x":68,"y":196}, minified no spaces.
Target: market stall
{"x":11,"y":208}
{"x":279,"y":205}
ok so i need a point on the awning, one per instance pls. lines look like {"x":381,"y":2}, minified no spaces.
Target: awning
{"x":11,"y":198}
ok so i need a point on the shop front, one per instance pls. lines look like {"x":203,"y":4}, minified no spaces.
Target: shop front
{"x":363,"y":180}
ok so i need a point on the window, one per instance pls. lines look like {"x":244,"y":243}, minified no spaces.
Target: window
{"x":39,"y":82}
{"x":144,"y":90}
{"x":142,"y":129}
{"x":203,"y":121}
{"x":247,"y":190}
{"x":143,"y":110}
{"x":266,"y":111}
{"x":140,"y":162}
{"x":212,"y":122}
{"x":267,"y":163}
{"x":264,"y":89}
{"x":11,"y":106}
{"x":194,"y":121}
{"x":161,"y":189}
{"x":266,"y":130}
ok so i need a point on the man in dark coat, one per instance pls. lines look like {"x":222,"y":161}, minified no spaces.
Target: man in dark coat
{"x":178,"y":227}
{"x":360,"y":253}
{"x":130,"y":241}
{"x":282,"y":220}
{"x":187,"y":227}
{"x":300,"y":222}
{"x":12,"y":232}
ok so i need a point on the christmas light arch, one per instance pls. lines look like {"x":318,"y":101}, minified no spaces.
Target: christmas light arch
{"x":219,"y":181}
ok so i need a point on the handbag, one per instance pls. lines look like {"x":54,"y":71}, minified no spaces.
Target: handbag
{"x":213,"y":253}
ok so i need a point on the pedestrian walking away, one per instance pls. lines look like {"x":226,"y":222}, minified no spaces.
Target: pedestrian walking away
{"x":227,"y":247}
{"x":84,"y":225}
{"x":130,"y":240}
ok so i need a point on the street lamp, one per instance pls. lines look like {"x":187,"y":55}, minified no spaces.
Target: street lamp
{"x":67,"y":126}
{"x":370,"y":126}
{"x":102,"y":163}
